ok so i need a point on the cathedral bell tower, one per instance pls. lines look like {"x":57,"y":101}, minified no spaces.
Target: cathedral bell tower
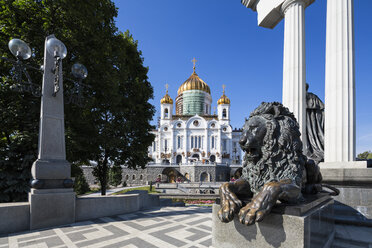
{"x":223,"y":107}
{"x":166,"y":105}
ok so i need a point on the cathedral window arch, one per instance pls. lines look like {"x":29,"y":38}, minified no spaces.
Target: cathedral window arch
{"x":166,"y":113}
{"x":224,"y":113}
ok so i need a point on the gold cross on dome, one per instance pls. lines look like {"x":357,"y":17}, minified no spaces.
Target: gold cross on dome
{"x":166,"y":87}
{"x":194,"y":62}
{"x":223,"y":87}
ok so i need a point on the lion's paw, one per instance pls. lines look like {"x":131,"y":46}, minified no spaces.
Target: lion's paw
{"x":250,"y":214}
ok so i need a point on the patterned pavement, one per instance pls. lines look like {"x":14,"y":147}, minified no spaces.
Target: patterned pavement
{"x":189,"y":227}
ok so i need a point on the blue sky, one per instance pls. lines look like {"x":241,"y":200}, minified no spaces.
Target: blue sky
{"x":231,"y":49}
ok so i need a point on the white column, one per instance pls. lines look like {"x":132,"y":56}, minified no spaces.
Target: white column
{"x":294,"y":67}
{"x":339,"y":140}
{"x":339,"y":83}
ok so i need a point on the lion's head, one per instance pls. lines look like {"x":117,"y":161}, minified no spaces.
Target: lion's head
{"x":272,"y":145}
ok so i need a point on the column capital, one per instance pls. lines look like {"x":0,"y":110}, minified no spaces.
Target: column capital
{"x":288,"y":3}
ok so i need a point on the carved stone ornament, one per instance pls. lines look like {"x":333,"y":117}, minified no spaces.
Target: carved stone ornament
{"x":273,"y":167}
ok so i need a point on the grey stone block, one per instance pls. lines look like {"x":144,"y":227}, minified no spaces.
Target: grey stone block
{"x":314,"y":229}
{"x":51,"y":209}
{"x":51,"y":169}
{"x":356,"y":176}
{"x":14,"y":217}
{"x":96,"y":207}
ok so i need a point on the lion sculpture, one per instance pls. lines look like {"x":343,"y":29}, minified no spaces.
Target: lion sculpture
{"x":274,"y":167}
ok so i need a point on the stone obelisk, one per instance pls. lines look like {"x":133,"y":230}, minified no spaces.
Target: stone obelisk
{"x":52,"y":200}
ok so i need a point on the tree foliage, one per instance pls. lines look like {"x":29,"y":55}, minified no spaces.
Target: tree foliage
{"x":112,"y":126}
{"x":365,"y":155}
{"x":115,"y":175}
{"x":80,"y":185}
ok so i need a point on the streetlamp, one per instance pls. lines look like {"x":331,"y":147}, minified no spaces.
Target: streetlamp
{"x":22,"y":51}
{"x":51,"y":185}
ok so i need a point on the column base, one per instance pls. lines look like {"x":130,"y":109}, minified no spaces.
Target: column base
{"x":343,"y":165}
{"x":51,"y":207}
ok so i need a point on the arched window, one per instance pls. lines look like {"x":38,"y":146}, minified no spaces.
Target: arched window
{"x":204,"y":177}
{"x":126,"y":177}
{"x":224,"y":114}
{"x":134,"y":177}
{"x":179,"y":142}
{"x":166,"y":114}
{"x":179,"y":159}
{"x":212,"y":158}
{"x":141,"y":177}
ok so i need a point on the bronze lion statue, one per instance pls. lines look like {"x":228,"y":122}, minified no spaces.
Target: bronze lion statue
{"x":274,"y":167}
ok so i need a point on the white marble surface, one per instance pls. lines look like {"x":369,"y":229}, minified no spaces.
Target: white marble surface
{"x":339,"y":83}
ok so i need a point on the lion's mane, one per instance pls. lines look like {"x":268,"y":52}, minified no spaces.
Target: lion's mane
{"x":281,"y":151}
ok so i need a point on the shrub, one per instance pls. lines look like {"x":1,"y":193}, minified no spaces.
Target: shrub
{"x":80,"y":186}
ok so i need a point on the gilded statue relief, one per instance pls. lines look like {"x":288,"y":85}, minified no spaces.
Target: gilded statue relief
{"x":274,"y":166}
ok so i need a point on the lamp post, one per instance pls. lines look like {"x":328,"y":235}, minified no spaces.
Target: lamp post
{"x":52,"y":199}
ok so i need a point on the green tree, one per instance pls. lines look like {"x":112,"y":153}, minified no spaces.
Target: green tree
{"x":115,"y":175}
{"x":80,"y":186}
{"x":365,"y":155}
{"x":113,"y":125}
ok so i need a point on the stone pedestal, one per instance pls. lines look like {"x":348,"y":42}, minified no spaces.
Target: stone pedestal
{"x":51,"y":207}
{"x":339,"y":140}
{"x":307,"y":225}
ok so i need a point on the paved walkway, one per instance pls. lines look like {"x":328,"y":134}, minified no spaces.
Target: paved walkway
{"x":166,"y":228}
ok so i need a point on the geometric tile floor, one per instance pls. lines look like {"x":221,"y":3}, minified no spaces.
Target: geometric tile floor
{"x":189,"y":227}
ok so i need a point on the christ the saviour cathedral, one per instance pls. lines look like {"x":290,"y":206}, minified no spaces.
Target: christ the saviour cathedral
{"x":193,"y":144}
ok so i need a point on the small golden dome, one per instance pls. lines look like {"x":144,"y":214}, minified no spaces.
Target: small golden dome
{"x":194,"y":82}
{"x":166,"y":99}
{"x":224,"y":99}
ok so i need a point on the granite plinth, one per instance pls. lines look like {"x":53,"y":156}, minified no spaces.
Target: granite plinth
{"x":51,"y":169}
{"x":311,"y":226}
{"x":51,"y":208}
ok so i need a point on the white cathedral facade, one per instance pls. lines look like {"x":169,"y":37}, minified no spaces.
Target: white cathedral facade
{"x":191,"y":143}
{"x":195,"y":135}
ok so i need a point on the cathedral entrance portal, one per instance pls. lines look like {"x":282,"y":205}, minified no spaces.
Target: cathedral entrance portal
{"x":171,"y":177}
{"x":171,"y":174}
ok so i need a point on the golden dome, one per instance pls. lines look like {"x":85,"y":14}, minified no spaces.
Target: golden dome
{"x":166,"y":99}
{"x":194,"y":82}
{"x":224,"y":99}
